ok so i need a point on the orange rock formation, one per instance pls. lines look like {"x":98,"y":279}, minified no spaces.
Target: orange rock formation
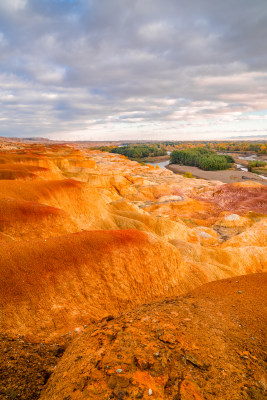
{"x":85,"y":234}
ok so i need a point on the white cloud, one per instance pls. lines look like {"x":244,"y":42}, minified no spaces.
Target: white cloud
{"x":13,"y":5}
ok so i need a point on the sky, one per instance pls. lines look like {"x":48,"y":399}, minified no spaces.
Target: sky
{"x":133,"y":69}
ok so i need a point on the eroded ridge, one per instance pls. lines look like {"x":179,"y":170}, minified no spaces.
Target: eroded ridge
{"x":86,"y":234}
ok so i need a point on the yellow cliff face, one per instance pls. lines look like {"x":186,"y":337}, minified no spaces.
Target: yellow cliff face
{"x":85,"y":233}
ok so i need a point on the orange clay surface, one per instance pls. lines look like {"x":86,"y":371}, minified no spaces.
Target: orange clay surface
{"x":86,"y":234}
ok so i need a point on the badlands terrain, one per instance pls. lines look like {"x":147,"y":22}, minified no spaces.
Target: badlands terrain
{"x":126,"y":281}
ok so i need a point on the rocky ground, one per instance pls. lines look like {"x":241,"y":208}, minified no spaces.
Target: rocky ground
{"x":208,"y":344}
{"x":25,"y":367}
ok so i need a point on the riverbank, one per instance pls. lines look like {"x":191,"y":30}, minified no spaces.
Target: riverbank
{"x":225,"y":176}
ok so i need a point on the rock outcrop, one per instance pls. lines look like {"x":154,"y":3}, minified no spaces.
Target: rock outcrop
{"x":206,"y":345}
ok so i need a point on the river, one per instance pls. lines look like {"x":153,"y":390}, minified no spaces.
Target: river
{"x":161,"y":164}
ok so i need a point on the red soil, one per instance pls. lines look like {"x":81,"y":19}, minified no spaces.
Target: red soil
{"x":241,"y":197}
{"x":23,"y":171}
{"x":28,"y":220}
{"x":37,"y":190}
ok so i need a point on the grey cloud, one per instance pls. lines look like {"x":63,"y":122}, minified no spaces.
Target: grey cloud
{"x":66,"y":65}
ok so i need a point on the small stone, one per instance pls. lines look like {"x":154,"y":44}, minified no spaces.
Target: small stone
{"x":232,"y":217}
{"x":197,"y":363}
{"x":112,"y":382}
{"x":122,"y":381}
{"x":150,"y":392}
{"x":204,"y":234}
{"x":119,"y":370}
{"x":240,"y":292}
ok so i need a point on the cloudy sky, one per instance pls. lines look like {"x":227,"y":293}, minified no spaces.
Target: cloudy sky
{"x":133,"y":69}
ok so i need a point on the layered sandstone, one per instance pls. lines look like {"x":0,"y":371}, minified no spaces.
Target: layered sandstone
{"x":191,"y":231}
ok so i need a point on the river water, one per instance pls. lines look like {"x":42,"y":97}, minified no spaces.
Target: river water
{"x":241,"y":167}
{"x":161,"y":164}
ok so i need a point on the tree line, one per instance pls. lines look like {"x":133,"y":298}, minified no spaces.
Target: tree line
{"x":137,"y":151}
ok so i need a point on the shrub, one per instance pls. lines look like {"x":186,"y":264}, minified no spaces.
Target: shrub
{"x":255,"y":163}
{"x":188,"y":175}
{"x":229,"y":159}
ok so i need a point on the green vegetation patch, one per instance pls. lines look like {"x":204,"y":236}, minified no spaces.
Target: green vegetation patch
{"x":188,"y":175}
{"x":137,"y":151}
{"x":202,"y":158}
{"x":255,"y":163}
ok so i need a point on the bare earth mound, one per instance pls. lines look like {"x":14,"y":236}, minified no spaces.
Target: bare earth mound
{"x":52,"y":286}
{"x":206,"y":345}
